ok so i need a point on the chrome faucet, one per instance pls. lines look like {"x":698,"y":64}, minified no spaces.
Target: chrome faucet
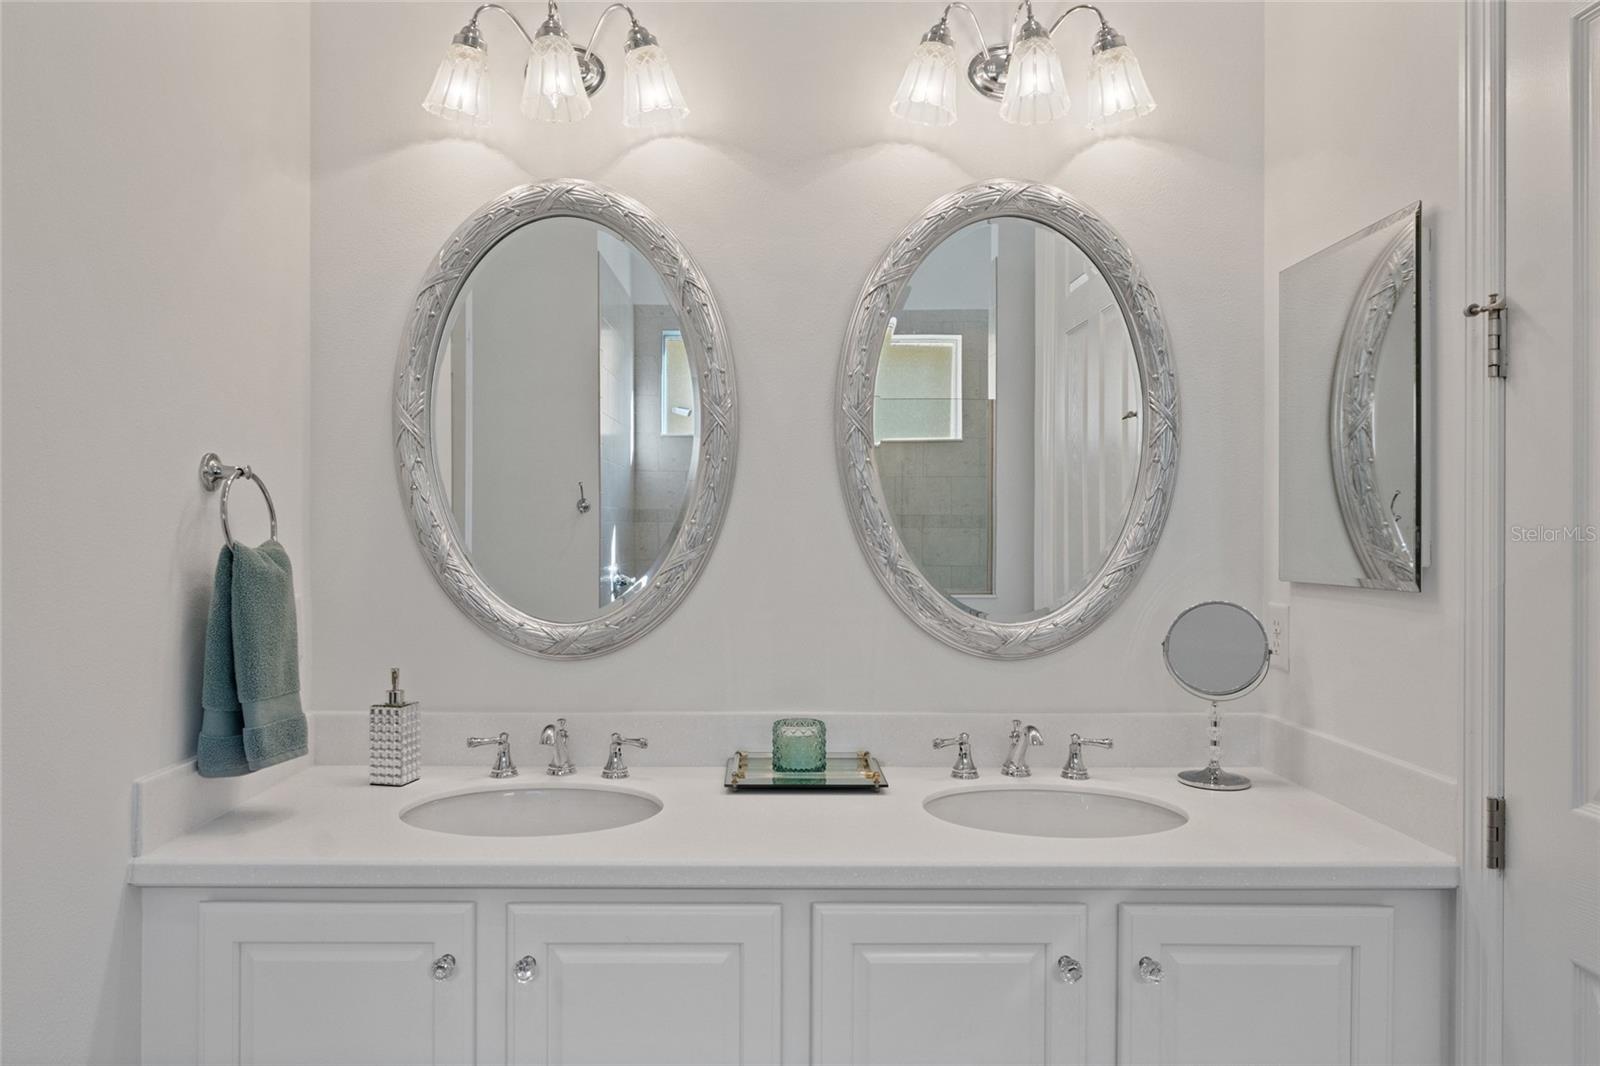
{"x":615,"y":769}
{"x":503,"y":766}
{"x":964,"y":769}
{"x":1016,"y":764}
{"x":555,"y":736}
{"x":1075,"y":770}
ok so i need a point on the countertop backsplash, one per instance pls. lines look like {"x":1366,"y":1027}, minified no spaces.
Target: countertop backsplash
{"x":1155,"y":738}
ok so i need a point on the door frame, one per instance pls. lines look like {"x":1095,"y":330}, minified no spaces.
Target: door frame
{"x":1480,"y":926}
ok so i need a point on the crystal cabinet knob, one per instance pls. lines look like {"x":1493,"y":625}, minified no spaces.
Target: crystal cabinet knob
{"x":1069,"y":969}
{"x":527,"y":969}
{"x":1149,"y":971}
{"x":443,"y":967}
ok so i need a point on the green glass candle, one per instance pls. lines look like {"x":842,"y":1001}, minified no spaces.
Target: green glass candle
{"x":799,"y":746}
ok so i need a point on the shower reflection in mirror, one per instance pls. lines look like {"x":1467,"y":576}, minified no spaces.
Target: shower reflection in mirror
{"x":1005,"y":419}
{"x":563,"y":362}
{"x":1352,"y":410}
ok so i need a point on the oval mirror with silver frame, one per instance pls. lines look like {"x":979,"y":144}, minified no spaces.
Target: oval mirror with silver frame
{"x":565,"y":419}
{"x":1007,"y":421}
{"x":1218,"y":651}
{"x":1353,"y":409}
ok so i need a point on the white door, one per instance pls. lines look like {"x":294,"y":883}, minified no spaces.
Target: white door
{"x":929,"y":984}
{"x":1086,"y":421}
{"x":535,"y":418}
{"x":1552,"y":614}
{"x":345,"y":983}
{"x":1254,"y":984}
{"x":650,"y":984}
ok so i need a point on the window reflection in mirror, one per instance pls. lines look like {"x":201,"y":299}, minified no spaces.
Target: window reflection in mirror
{"x":920,"y":388}
{"x":677,"y":387}
{"x":564,"y":365}
{"x":1006,"y":419}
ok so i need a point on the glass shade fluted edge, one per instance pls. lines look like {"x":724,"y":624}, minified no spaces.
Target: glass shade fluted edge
{"x":927,"y":92}
{"x":460,"y":89}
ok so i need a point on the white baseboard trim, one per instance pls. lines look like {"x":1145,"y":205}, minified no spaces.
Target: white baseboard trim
{"x":176,"y":800}
{"x":1402,"y":795}
{"x":1143,"y":738}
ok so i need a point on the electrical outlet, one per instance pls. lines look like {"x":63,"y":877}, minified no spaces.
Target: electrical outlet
{"x":1278,"y":635}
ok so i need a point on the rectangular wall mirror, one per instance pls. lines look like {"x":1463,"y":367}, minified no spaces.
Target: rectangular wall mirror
{"x":1350,"y":413}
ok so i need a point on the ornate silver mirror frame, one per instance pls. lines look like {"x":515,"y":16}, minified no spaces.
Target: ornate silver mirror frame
{"x":1386,"y":555}
{"x":869,"y":511}
{"x":710,"y":478}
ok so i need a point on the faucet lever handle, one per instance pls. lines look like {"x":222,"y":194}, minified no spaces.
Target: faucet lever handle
{"x":615,"y":768}
{"x":964,"y":769}
{"x":503,"y":766}
{"x":1075,"y":770}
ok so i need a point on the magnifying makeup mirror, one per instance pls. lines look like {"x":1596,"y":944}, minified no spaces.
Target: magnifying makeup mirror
{"x":1218,"y":651}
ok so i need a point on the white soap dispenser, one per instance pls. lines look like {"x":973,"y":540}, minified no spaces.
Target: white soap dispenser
{"x":394,"y":734}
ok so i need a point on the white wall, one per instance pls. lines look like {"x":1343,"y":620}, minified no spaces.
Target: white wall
{"x":1361,"y":114}
{"x":787,"y":182}
{"x":155,"y":288}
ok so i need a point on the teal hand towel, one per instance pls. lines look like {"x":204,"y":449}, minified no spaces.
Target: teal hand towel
{"x":250,"y":688}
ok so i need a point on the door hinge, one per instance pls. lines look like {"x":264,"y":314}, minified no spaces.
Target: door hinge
{"x":1494,"y":851}
{"x":1495,"y":339}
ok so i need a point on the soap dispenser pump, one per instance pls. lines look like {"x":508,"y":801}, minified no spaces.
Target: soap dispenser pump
{"x":394,"y":733}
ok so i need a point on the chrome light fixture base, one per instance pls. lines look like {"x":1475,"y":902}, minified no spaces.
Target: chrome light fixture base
{"x":592,"y":69}
{"x":987,"y":71}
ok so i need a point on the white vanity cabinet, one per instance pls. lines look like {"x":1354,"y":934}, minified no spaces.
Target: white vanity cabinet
{"x":561,"y":976}
{"x":1239,"y":984}
{"x":319,"y":982}
{"x":645,"y":984}
{"x":948,"y":983}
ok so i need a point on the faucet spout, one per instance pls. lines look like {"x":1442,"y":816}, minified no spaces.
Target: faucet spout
{"x":1022,"y":738}
{"x":555,"y":736}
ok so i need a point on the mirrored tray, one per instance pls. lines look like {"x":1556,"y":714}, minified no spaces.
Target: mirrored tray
{"x":845,"y":771}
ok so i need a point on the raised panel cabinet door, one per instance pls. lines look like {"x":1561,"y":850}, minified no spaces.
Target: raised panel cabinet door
{"x":345,"y":983}
{"x":647,"y":984}
{"x":1241,"y":984}
{"x":925,"y":984}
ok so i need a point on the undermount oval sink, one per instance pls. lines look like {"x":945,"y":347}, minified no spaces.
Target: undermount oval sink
{"x":531,"y":812}
{"x":1054,"y":812}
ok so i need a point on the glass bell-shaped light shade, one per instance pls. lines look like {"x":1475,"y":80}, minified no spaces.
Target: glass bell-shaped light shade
{"x":552,"y":89}
{"x":1117,"y":91}
{"x":1036,"y":90}
{"x":460,"y":89}
{"x":650,"y":93}
{"x":927,"y":93}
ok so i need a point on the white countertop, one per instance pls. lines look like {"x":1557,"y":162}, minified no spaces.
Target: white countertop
{"x":326,"y":827}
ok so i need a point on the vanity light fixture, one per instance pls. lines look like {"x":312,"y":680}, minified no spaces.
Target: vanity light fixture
{"x":1024,"y":74}
{"x":560,"y":76}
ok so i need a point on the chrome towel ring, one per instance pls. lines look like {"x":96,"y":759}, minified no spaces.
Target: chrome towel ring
{"x":213,"y":471}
